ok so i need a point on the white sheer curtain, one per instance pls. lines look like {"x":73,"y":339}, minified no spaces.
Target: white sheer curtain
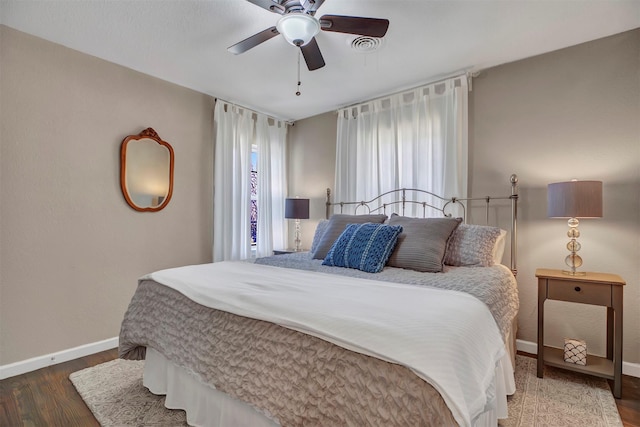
{"x":414,"y":139}
{"x":272,"y":185}
{"x":237,"y":130}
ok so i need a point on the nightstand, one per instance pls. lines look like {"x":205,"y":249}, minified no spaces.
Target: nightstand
{"x":593,"y":288}
{"x":283,"y":251}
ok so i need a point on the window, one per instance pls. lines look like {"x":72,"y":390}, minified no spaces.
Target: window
{"x":254,"y":196}
{"x":237,"y":183}
{"x":415,"y":139}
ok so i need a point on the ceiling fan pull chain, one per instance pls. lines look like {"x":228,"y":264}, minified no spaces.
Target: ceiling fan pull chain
{"x":298,"y":91}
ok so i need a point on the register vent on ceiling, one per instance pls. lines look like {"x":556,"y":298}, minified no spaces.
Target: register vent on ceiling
{"x":366,"y":44}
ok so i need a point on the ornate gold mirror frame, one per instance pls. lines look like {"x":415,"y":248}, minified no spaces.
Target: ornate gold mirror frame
{"x":146,"y":171}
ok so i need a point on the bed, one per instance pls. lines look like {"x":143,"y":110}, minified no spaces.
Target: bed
{"x":365,"y":329}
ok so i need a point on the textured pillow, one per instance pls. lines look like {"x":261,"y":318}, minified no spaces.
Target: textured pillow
{"x":498,"y":247}
{"x":472,"y":245}
{"x":320,"y":229}
{"x":366,"y":247}
{"x":423,"y":242}
{"x":335,"y":227}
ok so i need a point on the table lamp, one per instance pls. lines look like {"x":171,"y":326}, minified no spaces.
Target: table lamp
{"x":296,"y":209}
{"x":574,"y":199}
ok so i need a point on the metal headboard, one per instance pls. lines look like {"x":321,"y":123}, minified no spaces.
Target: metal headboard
{"x":403,"y":197}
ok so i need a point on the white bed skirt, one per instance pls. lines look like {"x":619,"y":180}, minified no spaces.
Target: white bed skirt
{"x":206,"y":406}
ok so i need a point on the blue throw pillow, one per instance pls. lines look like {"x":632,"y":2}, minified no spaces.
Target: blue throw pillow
{"x":366,"y":247}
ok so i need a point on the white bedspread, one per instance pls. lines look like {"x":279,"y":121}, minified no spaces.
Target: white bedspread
{"x":448,"y":338}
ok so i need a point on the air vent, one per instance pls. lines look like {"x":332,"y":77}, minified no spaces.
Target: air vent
{"x":366,"y":44}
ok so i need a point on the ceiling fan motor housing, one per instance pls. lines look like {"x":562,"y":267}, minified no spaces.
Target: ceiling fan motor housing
{"x":298,"y":28}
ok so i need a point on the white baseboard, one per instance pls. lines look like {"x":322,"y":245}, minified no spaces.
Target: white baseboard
{"x":527,"y":346}
{"x":628,"y":368}
{"x":39,"y":362}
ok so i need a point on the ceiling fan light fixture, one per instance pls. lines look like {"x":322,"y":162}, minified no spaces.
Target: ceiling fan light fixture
{"x":298,"y":28}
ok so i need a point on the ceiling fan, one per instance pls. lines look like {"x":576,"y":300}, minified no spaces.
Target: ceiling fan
{"x":299,"y":27}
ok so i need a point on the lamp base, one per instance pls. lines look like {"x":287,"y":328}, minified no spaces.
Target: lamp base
{"x":573,"y":260}
{"x":298,"y":248}
{"x":574,"y":273}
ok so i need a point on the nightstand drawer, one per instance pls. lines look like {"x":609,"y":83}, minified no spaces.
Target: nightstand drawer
{"x":581,"y":292}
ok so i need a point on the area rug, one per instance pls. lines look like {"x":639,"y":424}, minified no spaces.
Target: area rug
{"x":561,"y":398}
{"x":113,"y":391}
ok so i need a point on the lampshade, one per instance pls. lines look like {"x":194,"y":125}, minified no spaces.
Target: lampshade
{"x":296,"y":208}
{"x":574,"y":199}
{"x":298,"y":28}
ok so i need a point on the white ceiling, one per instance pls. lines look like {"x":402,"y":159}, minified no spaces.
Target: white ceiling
{"x":185,"y":42}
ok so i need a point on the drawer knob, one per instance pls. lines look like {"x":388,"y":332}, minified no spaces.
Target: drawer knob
{"x":577,"y":289}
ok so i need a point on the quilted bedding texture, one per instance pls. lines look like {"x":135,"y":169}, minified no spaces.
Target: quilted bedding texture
{"x":294,"y":378}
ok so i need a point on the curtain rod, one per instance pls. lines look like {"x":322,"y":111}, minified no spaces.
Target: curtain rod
{"x":468,"y":74}
{"x":253,"y":110}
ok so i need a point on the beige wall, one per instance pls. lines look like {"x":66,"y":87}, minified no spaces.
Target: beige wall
{"x":71,"y":249}
{"x":311,"y":168}
{"x":573,"y":113}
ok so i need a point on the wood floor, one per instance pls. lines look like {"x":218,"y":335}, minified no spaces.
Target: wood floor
{"x":46,"y":397}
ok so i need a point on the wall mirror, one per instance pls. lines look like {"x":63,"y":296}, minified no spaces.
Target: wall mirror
{"x":146,"y":171}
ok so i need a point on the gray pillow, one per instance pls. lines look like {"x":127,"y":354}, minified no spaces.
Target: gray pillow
{"x":472,"y":245}
{"x":423,"y":243}
{"x":336,"y":225}
{"x":320,"y":229}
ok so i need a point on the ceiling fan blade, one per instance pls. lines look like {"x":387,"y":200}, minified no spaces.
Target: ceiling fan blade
{"x":270,"y":5}
{"x":253,"y":41}
{"x":312,"y":55}
{"x":372,"y":27}
{"x":310,"y":6}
